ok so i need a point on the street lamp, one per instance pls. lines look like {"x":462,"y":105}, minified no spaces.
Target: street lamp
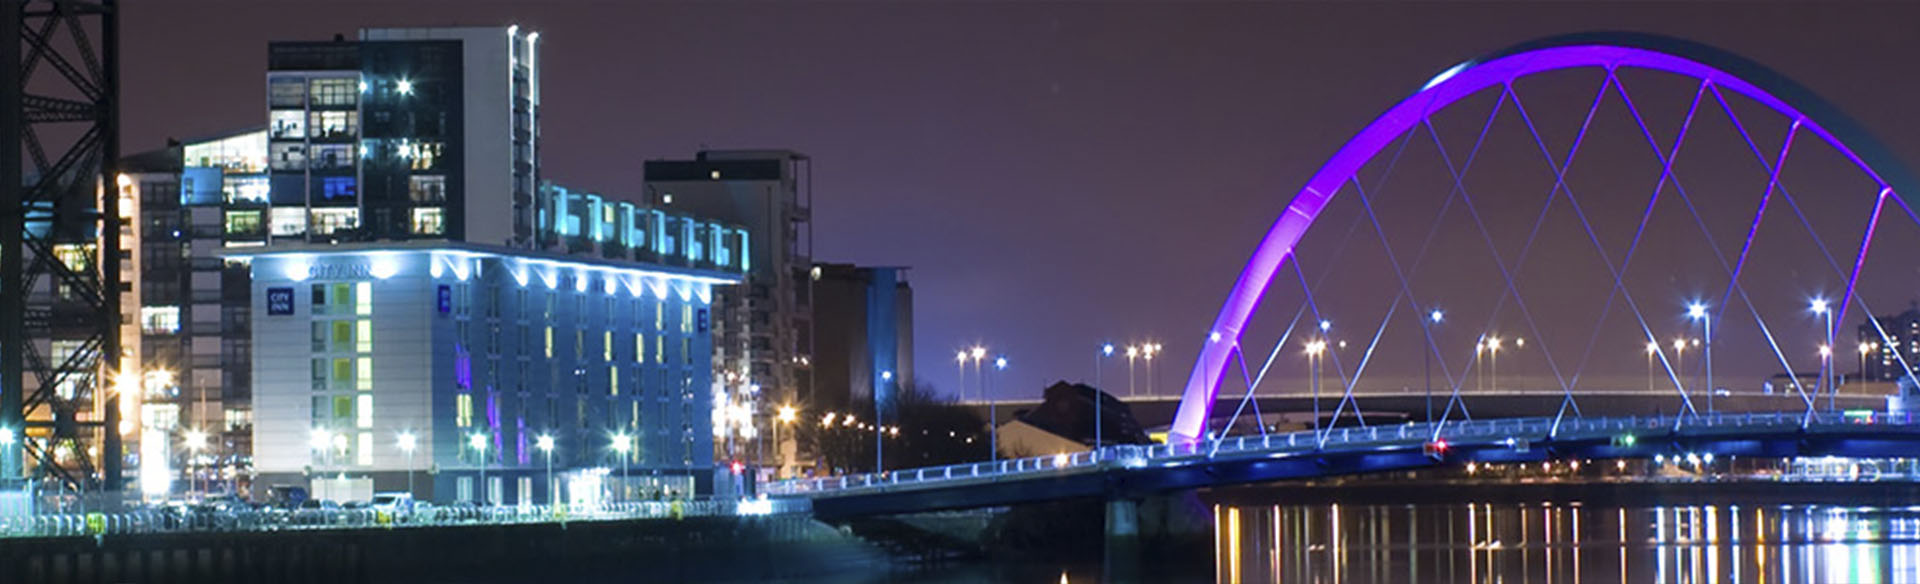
{"x":960,"y":362}
{"x":1819,"y":306}
{"x":993,"y":427}
{"x":1314,"y":349}
{"x":1865,"y":348}
{"x":478,"y":441}
{"x":622,"y":444}
{"x":1106,"y":350}
{"x":407,"y":443}
{"x":1698,"y":311}
{"x":1433,"y":318}
{"x":1653,"y":348}
{"x":1146,"y":353}
{"x":545,"y":444}
{"x":195,"y":440}
{"x":1133,"y":352}
{"x":1493,"y":363}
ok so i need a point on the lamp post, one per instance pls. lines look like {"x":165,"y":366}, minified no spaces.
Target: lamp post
{"x":993,"y":434}
{"x":545,"y":443}
{"x":1865,"y":348}
{"x":960,"y":362}
{"x":621,"y":445}
{"x":977,"y":353}
{"x":1106,"y":350}
{"x":1679,"y":364}
{"x":407,"y":443}
{"x":1433,"y":318}
{"x":1653,"y":348}
{"x":1147,"y":352}
{"x":478,"y":441}
{"x":1314,"y":349}
{"x":1493,"y":364}
{"x":195,"y":440}
{"x":1698,"y":311}
{"x":1819,"y":306}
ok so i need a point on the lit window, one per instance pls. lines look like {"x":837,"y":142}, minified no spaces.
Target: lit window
{"x":363,"y":298}
{"x":363,"y":411}
{"x":686,"y":318}
{"x":342,"y":372}
{"x":337,"y":188}
{"x":327,"y":221}
{"x":606,"y":346}
{"x":342,"y":334}
{"x":333,"y":124}
{"x":364,"y":453}
{"x":463,"y":410}
{"x":613,"y":380}
{"x":429,"y":221}
{"x":243,"y":223}
{"x":288,"y":124}
{"x":549,"y":342}
{"x":427,"y":188}
{"x":639,"y":348}
{"x":337,"y":91}
{"x":363,"y":336}
{"x":159,"y":320}
{"x":288,"y":221}
{"x":363,"y":374}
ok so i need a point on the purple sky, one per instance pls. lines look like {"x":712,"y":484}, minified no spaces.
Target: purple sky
{"x":1057,"y":174}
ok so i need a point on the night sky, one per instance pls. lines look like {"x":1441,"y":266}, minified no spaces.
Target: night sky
{"x":1059,"y":174}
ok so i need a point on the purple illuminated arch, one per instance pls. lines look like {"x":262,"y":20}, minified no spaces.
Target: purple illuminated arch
{"x":1604,"y":50}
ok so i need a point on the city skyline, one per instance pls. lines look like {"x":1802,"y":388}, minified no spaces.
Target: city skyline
{"x":966,"y":153}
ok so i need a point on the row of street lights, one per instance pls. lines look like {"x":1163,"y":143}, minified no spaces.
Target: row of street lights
{"x":620,"y":442}
{"x":977,"y":353}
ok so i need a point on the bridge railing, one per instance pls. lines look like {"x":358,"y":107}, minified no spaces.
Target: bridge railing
{"x":155,"y":521}
{"x":1464,"y":432}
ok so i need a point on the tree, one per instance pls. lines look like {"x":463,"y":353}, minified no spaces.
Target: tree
{"x":926,"y":429}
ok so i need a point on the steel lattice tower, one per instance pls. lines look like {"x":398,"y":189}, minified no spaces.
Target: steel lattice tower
{"x":60,"y":277}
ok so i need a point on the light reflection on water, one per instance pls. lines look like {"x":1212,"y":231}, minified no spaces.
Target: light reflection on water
{"x":1565,"y":542}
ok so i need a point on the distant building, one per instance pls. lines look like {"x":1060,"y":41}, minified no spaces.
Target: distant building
{"x":864,"y":325}
{"x":764,"y":326}
{"x":1891,"y":357}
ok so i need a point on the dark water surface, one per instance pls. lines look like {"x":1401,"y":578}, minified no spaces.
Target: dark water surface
{"x":1629,"y":536}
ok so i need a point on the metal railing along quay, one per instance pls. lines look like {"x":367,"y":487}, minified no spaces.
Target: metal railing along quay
{"x":1506,"y":431}
{"x":189,"y":520}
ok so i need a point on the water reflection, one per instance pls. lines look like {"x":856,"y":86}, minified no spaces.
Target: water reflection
{"x":1565,"y":542}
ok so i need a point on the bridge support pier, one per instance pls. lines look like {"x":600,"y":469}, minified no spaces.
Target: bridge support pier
{"x":1120,"y":556}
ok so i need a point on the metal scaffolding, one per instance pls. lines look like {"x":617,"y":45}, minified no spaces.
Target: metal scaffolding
{"x":60,"y":280}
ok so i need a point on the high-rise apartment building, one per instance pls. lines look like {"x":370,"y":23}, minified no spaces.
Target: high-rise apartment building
{"x":763,"y":327}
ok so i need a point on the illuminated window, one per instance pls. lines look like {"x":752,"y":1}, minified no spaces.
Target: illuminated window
{"x":363,"y":298}
{"x":342,"y":408}
{"x":243,"y":223}
{"x":549,"y":342}
{"x":639,"y":348}
{"x":613,"y":380}
{"x":339,"y":188}
{"x":342,"y":334}
{"x":579,"y":344}
{"x":288,"y":221}
{"x":659,"y":317}
{"x":333,"y":124}
{"x":288,"y":125}
{"x":463,"y":410}
{"x":686,"y":350}
{"x":336,"y":91}
{"x":327,"y":221}
{"x":427,"y":188}
{"x":159,"y":320}
{"x":686,"y":318}
{"x":331,"y":156}
{"x":660,"y":349}
{"x":363,"y":373}
{"x":363,"y":411}
{"x":606,"y":346}
{"x":244,"y":189}
{"x":429,"y":221}
{"x":422,"y":155}
{"x":363,"y":336}
{"x":363,"y":454}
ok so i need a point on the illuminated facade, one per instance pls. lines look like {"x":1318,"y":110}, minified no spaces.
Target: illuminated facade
{"x":476,"y":351}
